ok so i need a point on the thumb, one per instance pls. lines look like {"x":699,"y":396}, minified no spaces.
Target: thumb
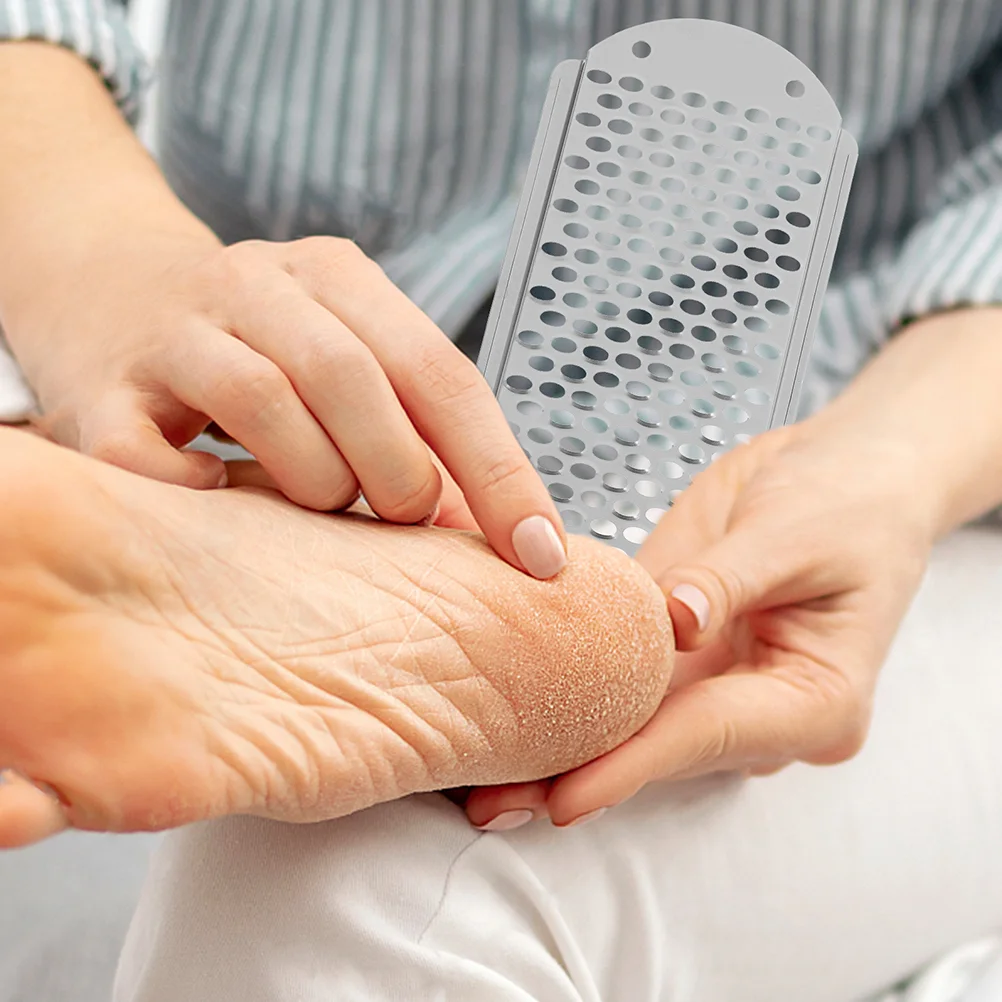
{"x":750,"y":568}
{"x":129,"y":438}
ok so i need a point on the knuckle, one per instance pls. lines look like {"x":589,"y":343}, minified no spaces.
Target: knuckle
{"x":725,"y":587}
{"x":347,"y":363}
{"x":500,"y":472}
{"x":117,"y":448}
{"x":410,"y":499}
{"x":251,"y":387}
{"x":849,"y":712}
{"x":336,"y":496}
{"x":311,"y":258}
{"x":447,"y":376}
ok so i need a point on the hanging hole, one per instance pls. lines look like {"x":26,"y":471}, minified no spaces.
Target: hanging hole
{"x":596,"y":354}
{"x":641,"y":110}
{"x":694,"y":100}
{"x":661,"y":159}
{"x":530,"y":339}
{"x":798,"y":219}
{"x":585,"y":328}
{"x":766,"y":280}
{"x":629,"y":290}
{"x":620,"y":126}
{"x":670,"y":325}
{"x":736,"y":272}
{"x":737,"y":202}
{"x":788,"y":124}
{"x":777,"y":167}
{"x":651,"y":203}
{"x":746,"y":158}
{"x":724,"y":108}
{"x":565,"y":205}
{"x":682,"y":351}
{"x":554,"y":249}
{"x":788,"y":263}
{"x":738,"y":133}
{"x":640,"y":246}
{"x":700,"y":333}
{"x":541,"y":363}
{"x":769,"y":211}
{"x":756,"y":254}
{"x":596,"y":283}
{"x":617,"y":196}
{"x":756,"y":115}
{"x":542,"y":293}
{"x":518,"y":384}
{"x":637,"y":316}
{"x":777,"y":236}
{"x":564,"y":345}
{"x":631,"y":84}
{"x":693,"y":307}
{"x":575,"y":300}
{"x":587,"y":187}
{"x":778,"y":307}
{"x":608,"y":169}
{"x":578,"y":163}
{"x":788,"y":192}
{"x":599,"y":144}
{"x":607,"y":380}
{"x":651,"y":135}
{"x":725,"y":317}
{"x":672,"y":116}
{"x":819,"y":132}
{"x":649,"y":345}
{"x":714,"y":289}
{"x":626,"y":361}
{"x":746,"y":228}
{"x":599,"y":77}
{"x":799,"y":150}
{"x":796,"y":88}
{"x":662,"y":93}
{"x":746,"y":299}
{"x":641,"y":50}
{"x":735,"y":345}
{"x":659,"y":372}
{"x":598,"y":212}
{"x":809,"y":176}
{"x":586,"y":118}
{"x":617,"y":334}
{"x":611,"y":101}
{"x":757,"y":325}
{"x":725,"y":245}
{"x":553,"y":319}
{"x":629,"y":152}
{"x":563,"y":274}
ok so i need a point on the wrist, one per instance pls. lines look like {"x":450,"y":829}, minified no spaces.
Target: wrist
{"x":927,"y":412}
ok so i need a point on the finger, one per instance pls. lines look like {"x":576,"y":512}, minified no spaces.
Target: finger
{"x":504,"y":808}
{"x":249,"y":397}
{"x":451,"y":406}
{"x":758,"y":564}
{"x":27,"y":814}
{"x":453,"y":511}
{"x":123,"y":434}
{"x":730,"y":722}
{"x":346,"y":389}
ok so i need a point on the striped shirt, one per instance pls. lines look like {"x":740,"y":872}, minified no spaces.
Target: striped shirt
{"x":407,"y":124}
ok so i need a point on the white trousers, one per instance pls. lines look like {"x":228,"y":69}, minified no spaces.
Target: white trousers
{"x":814,"y":885}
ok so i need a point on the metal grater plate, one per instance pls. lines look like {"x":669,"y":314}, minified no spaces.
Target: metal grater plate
{"x":670,"y":253}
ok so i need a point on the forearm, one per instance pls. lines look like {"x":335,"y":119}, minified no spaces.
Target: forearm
{"x":929,"y":407}
{"x":73,"y":177}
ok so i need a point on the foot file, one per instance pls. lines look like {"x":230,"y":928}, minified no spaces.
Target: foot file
{"x":669,"y":258}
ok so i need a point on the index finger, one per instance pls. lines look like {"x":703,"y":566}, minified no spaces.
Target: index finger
{"x":720,"y":724}
{"x":455,"y":412}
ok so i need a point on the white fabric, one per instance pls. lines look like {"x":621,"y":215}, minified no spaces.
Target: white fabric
{"x":16,"y":400}
{"x":815,"y":885}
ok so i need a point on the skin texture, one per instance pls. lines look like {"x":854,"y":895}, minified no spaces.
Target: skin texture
{"x":304,"y":352}
{"x":808,"y":545}
{"x":172,"y":655}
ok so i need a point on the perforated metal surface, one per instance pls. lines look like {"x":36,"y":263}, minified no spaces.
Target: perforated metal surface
{"x":672,"y":246}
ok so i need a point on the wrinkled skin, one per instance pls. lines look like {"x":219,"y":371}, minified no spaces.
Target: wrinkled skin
{"x":168,"y":655}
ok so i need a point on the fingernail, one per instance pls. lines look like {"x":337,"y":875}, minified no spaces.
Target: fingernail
{"x":429,"y":519}
{"x":223,"y":479}
{"x":695,"y":601}
{"x":507,"y":822}
{"x":538,"y":547}
{"x":585,"y":818}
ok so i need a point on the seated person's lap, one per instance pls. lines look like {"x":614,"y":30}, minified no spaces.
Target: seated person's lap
{"x":825,"y":884}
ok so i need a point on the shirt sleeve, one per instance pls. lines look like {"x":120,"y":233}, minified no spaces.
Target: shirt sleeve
{"x":953,"y":256}
{"x":97,"y":30}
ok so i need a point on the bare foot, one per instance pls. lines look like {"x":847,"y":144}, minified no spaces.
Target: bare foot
{"x":168,"y":656}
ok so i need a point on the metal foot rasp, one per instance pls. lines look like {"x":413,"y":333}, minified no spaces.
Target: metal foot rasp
{"x":670,"y":254}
